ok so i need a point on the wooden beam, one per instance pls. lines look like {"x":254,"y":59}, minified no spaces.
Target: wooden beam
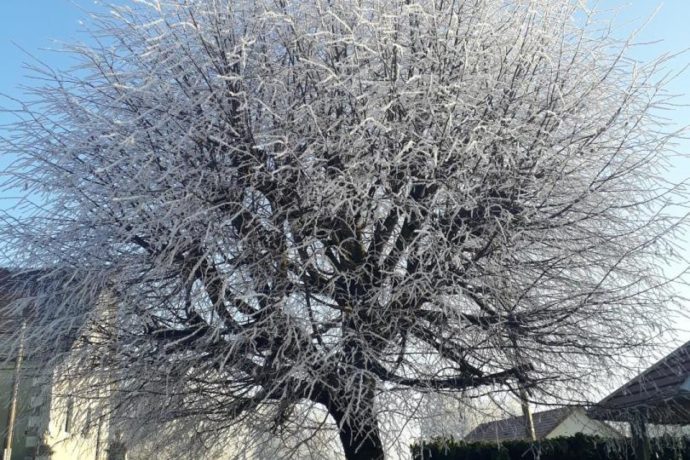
{"x":640,"y":436}
{"x":12,"y":416}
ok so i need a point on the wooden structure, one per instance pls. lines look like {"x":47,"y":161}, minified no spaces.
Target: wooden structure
{"x":660,"y":395}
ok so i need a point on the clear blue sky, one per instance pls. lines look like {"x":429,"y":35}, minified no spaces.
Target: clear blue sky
{"x":35,"y":25}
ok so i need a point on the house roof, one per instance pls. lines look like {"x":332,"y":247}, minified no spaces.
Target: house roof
{"x":662,"y":393}
{"x":515,"y":428}
{"x":29,"y":298}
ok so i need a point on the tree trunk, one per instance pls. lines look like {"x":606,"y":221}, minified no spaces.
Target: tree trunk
{"x":359,"y":434}
{"x":353,"y":411}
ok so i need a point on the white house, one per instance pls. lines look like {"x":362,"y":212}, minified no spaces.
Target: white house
{"x":563,"y":421}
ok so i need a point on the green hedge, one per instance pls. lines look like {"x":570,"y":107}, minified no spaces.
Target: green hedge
{"x":578,"y":447}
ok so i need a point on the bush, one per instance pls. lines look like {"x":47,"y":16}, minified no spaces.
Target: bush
{"x":577,"y":447}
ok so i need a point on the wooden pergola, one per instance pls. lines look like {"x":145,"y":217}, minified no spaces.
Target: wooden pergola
{"x":660,"y":395}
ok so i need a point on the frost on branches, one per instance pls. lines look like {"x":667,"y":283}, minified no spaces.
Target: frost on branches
{"x":323,"y":206}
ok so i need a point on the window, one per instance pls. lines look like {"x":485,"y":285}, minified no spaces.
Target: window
{"x":69,"y":414}
{"x":87,"y":423}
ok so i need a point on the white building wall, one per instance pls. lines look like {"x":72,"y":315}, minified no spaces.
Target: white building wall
{"x":84,"y":436}
{"x":579,"y":422}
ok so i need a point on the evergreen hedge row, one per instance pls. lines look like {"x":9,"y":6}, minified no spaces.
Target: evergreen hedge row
{"x":578,"y":447}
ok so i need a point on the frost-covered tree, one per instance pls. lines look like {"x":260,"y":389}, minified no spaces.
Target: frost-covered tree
{"x":331,"y":204}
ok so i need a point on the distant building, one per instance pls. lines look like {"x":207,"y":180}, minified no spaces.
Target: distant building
{"x":563,"y":421}
{"x":48,"y":424}
{"x":41,"y":416}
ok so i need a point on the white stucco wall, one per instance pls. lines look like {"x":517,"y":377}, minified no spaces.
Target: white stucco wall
{"x":579,"y":422}
{"x":87,"y":436}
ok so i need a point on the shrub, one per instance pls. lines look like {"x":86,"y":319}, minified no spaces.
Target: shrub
{"x":576,"y":447}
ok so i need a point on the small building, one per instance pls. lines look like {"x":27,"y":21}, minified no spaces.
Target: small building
{"x":658,"y":396}
{"x":562,"y":421}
